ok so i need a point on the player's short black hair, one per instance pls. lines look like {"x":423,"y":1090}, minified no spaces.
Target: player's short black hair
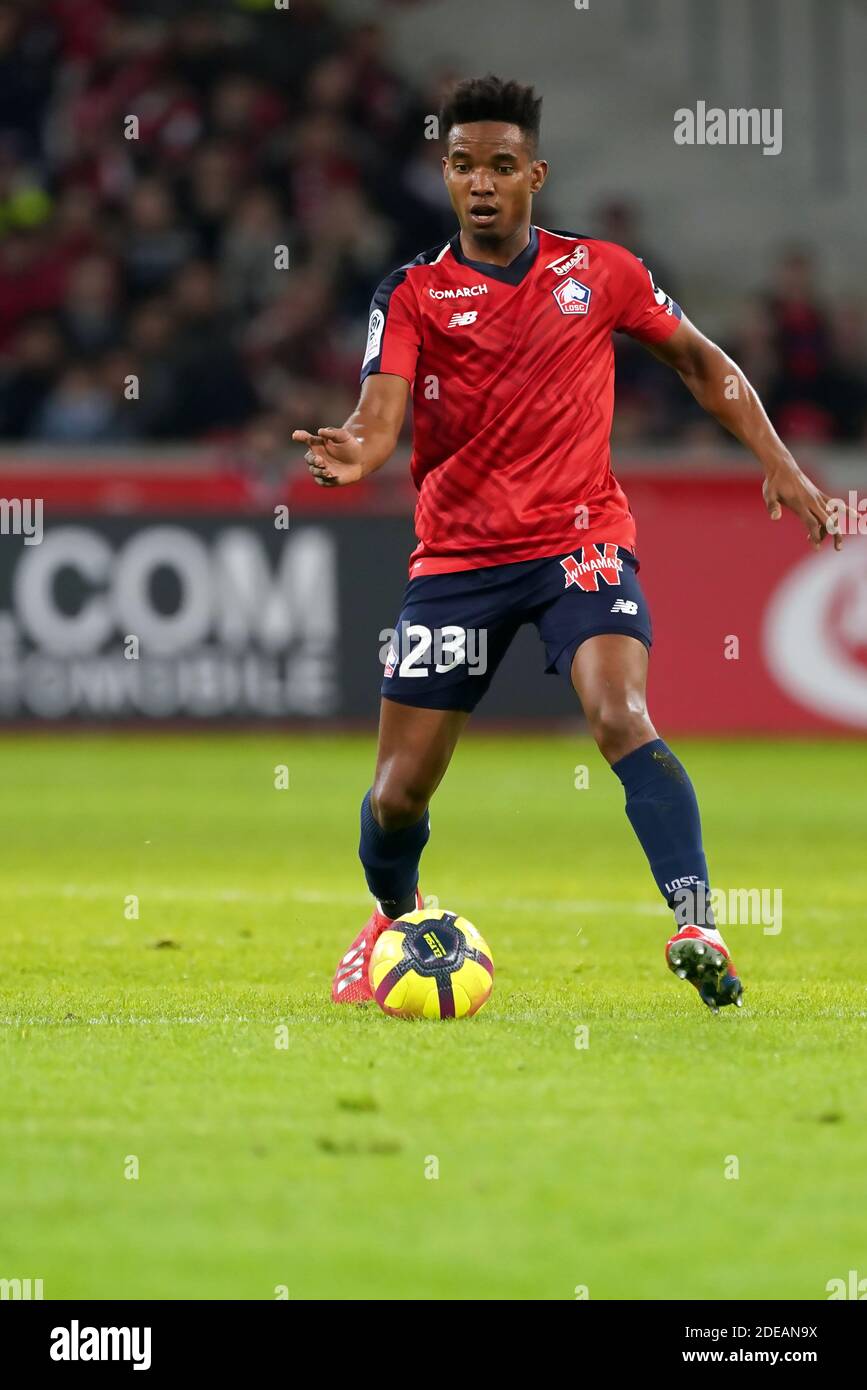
{"x":491,"y":99}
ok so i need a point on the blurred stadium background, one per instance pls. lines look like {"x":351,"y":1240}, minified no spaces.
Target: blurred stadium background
{"x":144,"y":252}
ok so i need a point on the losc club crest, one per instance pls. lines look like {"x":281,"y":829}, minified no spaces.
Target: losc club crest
{"x":572,"y":296}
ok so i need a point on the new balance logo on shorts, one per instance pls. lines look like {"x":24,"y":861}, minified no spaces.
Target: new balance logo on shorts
{"x":455,"y":628}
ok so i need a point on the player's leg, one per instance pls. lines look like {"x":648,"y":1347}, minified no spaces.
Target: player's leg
{"x":609,"y":675}
{"x":452,"y":633}
{"x":414,"y":749}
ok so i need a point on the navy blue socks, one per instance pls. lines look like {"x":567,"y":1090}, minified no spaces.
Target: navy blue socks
{"x":390,"y":859}
{"x":663,"y":811}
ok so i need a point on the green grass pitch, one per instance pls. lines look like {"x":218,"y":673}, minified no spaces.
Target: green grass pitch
{"x":305,"y":1166}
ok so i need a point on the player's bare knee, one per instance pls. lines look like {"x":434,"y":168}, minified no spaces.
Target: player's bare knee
{"x":396,"y":806}
{"x":619,"y":728}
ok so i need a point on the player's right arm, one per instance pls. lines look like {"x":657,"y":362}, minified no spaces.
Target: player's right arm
{"x":337,"y":456}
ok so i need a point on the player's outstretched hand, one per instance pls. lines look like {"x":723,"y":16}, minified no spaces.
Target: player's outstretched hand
{"x":790,"y":487}
{"x":333,"y":455}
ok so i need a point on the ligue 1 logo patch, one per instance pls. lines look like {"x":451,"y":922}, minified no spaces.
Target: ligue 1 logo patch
{"x":374,"y":335}
{"x":572,"y":296}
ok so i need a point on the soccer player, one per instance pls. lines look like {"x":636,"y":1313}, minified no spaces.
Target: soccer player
{"x":503,"y":335}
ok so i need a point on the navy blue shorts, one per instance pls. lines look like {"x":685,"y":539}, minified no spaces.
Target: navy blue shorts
{"x":454,"y":629}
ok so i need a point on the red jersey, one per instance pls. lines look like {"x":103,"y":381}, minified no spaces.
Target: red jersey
{"x":512,"y":376}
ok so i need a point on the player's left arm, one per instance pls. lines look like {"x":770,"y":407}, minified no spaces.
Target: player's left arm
{"x":721,"y":389}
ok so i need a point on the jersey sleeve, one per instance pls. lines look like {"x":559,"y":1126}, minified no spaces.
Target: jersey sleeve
{"x":642,"y":309}
{"x":394,"y":330}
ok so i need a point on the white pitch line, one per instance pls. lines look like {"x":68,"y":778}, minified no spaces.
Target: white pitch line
{"x":315,"y":896}
{"x":319,"y":898}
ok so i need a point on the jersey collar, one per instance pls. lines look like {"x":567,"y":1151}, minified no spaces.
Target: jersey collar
{"x":511,"y":274}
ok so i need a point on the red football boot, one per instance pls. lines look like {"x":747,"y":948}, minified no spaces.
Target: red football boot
{"x":700,"y":956}
{"x":350,"y":984}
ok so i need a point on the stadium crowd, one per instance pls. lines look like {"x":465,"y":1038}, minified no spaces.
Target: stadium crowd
{"x":146,"y":249}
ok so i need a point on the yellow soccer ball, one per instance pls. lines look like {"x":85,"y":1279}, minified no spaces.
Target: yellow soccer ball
{"x":431,"y":964}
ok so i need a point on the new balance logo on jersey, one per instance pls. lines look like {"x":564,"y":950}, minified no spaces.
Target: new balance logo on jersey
{"x":624,"y":605}
{"x":594,"y":564}
{"x":461,"y":320}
